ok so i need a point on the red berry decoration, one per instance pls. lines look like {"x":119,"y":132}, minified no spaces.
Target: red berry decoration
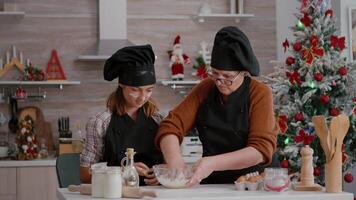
{"x":284,"y":164}
{"x":324,"y":99}
{"x":329,"y":12}
{"x":342,"y":71}
{"x":297,"y":46}
{"x":317,"y":171}
{"x":318,"y":76}
{"x":290,"y":60}
{"x":348,"y":177}
{"x":334,"y":112}
{"x":299,"y":116}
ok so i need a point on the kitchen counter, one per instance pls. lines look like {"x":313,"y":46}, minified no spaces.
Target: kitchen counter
{"x":219,"y":192}
{"x":28,"y":163}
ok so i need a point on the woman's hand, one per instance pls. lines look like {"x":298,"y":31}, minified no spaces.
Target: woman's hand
{"x":202,"y":169}
{"x":146,"y":172}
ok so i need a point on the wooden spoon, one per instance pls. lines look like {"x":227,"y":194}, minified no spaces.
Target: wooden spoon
{"x":343,"y":125}
{"x":323,"y":133}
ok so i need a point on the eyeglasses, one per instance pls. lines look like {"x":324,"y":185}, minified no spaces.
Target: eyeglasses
{"x":215,"y":76}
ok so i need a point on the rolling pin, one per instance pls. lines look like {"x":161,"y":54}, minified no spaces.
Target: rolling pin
{"x":128,"y":192}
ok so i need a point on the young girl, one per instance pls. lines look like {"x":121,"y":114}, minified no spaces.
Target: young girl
{"x":131,"y":119}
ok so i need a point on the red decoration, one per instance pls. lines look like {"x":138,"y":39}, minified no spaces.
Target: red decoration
{"x":342,"y":71}
{"x":20,"y":93}
{"x":337,"y":42}
{"x":297,"y":46}
{"x":299,"y":116}
{"x":282,"y":122}
{"x":284,"y":164}
{"x":314,"y":51}
{"x":290,"y":60}
{"x":202,"y":72}
{"x":54,"y":68}
{"x":317,"y":171}
{"x":294,"y":77}
{"x":304,"y":137}
{"x":285,"y":45}
{"x":354,"y":99}
{"x":348,"y":177}
{"x":344,"y":157}
{"x":306,"y":20}
{"x":329,"y":12}
{"x":334,"y":112}
{"x":318,"y":76}
{"x":324,"y":99}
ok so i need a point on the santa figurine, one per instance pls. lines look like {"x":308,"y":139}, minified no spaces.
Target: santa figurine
{"x":177,"y":60}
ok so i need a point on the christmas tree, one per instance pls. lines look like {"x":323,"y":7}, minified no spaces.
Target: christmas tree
{"x":26,"y":140}
{"x":315,"y":80}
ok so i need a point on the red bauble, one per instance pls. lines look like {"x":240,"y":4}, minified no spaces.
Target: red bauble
{"x":297,"y":46}
{"x":299,"y":116}
{"x":290,"y":60}
{"x":342,"y":71}
{"x":317,"y":171}
{"x":348,"y":177}
{"x":344,"y":157}
{"x":334,"y":112}
{"x":284,"y":164}
{"x":329,"y":12}
{"x":318,"y":76}
{"x":354,"y":99}
{"x":324,"y":99}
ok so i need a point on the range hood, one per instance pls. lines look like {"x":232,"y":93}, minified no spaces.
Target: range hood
{"x":112,"y":30}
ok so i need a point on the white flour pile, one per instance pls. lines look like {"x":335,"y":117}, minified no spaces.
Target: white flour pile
{"x":173,"y":182}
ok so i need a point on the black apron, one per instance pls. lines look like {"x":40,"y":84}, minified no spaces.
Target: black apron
{"x":224,"y":128}
{"x":123,"y":132}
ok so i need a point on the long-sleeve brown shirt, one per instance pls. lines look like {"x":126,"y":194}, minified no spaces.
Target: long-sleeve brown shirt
{"x":263,"y":128}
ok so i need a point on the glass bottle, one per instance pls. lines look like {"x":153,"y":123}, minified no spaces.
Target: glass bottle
{"x":130,"y":175}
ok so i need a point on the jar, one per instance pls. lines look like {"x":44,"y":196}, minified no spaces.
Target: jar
{"x":113,"y":183}
{"x":276,"y":179}
{"x":97,"y":180}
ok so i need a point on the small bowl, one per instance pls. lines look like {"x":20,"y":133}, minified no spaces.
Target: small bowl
{"x":240,"y":186}
{"x":172,"y":178}
{"x":252,"y":186}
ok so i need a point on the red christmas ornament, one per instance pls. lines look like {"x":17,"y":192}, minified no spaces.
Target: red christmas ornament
{"x":284,"y":164}
{"x":354,"y":99}
{"x":314,"y":51}
{"x":318,"y":76}
{"x":324,"y":99}
{"x":304,"y":137}
{"x":285,"y":45}
{"x":342,"y":71}
{"x":282,"y":122}
{"x":297,"y":46}
{"x":294,"y":77}
{"x":317,"y":171}
{"x":290,"y":60}
{"x":306,"y":20}
{"x":348,"y":177}
{"x":299,"y":116}
{"x":334,"y":112}
{"x":337,"y":42}
{"x":329,"y":12}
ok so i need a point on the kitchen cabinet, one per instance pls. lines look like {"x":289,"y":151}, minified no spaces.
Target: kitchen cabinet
{"x":28,"y":180}
{"x":8,"y":183}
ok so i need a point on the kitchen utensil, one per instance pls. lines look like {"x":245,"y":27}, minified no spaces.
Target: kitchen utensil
{"x":343,"y":127}
{"x":323,"y":133}
{"x":137,"y":193}
{"x":13,"y":122}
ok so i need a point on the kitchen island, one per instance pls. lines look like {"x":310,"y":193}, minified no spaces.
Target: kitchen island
{"x":218,"y":192}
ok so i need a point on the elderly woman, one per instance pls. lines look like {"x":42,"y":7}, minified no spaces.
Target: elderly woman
{"x":232,"y":112}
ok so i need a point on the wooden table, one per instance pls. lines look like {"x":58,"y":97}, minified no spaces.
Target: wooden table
{"x":220,"y":192}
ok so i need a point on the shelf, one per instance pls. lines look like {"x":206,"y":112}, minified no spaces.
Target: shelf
{"x":50,"y":83}
{"x":12,"y":14}
{"x":159,"y":17}
{"x":93,"y":58}
{"x":189,"y":82}
{"x":237,"y":17}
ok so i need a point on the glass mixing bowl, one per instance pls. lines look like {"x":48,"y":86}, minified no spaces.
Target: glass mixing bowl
{"x":172,"y":178}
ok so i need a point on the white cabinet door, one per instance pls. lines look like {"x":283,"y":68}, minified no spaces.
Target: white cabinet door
{"x":37,"y":183}
{"x":8,"y":183}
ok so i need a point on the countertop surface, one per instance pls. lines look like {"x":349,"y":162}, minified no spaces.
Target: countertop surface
{"x":223,"y":191}
{"x":28,"y":163}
